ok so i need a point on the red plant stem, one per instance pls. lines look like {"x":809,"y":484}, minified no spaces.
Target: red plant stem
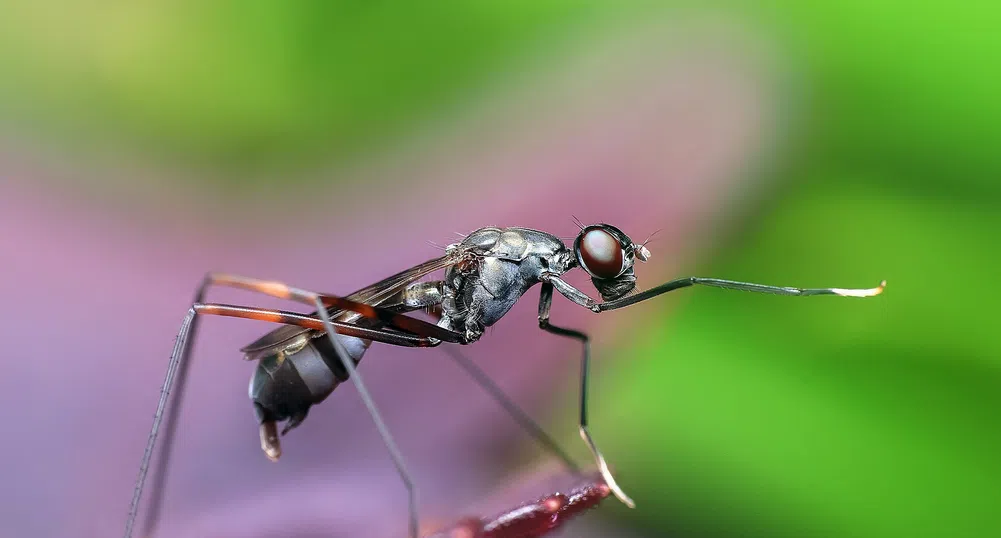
{"x":533,"y":519}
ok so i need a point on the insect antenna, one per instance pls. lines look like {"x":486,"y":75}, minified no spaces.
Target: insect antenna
{"x":435,"y":245}
{"x":650,"y":238}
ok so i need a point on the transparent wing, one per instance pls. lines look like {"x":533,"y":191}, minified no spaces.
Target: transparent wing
{"x":373,"y":294}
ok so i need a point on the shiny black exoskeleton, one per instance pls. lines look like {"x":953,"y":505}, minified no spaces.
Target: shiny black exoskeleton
{"x":301,"y":372}
{"x":285,"y":386}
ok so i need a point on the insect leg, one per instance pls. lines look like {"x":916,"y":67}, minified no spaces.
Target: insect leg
{"x":178,"y":365}
{"x":284,"y":291}
{"x":519,"y":415}
{"x":545,"y":303}
{"x":387,"y":437}
{"x":375,"y":334}
{"x":176,"y":371}
{"x":582,"y":299}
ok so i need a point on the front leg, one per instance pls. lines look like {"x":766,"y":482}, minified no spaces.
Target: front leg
{"x":568,"y":291}
{"x":584,"y":300}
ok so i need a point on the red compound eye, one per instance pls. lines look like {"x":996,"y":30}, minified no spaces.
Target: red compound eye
{"x":600,"y":253}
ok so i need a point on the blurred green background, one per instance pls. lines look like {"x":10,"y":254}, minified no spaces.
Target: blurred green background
{"x":766,"y":417}
{"x":736,"y":415}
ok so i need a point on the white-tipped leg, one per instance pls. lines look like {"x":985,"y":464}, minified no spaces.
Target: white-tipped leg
{"x":870,"y":292}
{"x":545,"y":302}
{"x":606,"y":473}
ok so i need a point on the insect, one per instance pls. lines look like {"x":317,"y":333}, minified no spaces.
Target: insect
{"x":300,"y":363}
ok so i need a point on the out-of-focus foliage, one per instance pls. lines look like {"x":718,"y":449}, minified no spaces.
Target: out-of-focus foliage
{"x":905,"y":90}
{"x":766,"y":416}
{"x":250,"y":83}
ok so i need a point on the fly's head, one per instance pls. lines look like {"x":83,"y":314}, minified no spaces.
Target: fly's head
{"x":608,"y":255}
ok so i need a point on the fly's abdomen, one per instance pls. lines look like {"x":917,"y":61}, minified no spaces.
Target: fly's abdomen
{"x":288,"y":381}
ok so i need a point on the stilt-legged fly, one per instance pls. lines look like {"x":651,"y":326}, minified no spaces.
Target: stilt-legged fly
{"x":302,"y":362}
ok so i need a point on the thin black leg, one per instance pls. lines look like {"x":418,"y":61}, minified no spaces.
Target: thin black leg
{"x":584,"y":300}
{"x":179,"y":363}
{"x":387,"y":437}
{"x":517,"y":413}
{"x":545,"y":303}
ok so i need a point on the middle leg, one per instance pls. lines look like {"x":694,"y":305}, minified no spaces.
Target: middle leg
{"x":517,"y":413}
{"x":545,"y":303}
